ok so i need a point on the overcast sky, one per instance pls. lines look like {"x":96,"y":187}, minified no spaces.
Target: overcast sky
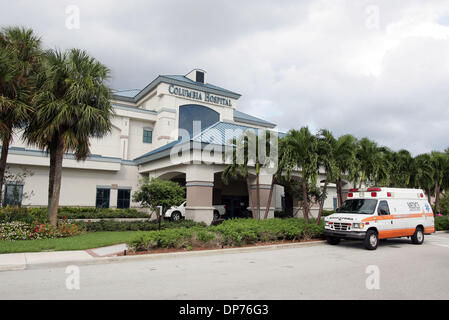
{"x":370,"y":68}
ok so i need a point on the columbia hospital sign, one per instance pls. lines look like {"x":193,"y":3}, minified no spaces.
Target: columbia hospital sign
{"x":191,"y":94}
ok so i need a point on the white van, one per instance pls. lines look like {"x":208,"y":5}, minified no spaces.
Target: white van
{"x":380,"y":213}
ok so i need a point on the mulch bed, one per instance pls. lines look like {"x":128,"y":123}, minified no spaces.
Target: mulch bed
{"x":258,"y":244}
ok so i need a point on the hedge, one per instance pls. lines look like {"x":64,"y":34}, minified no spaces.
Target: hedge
{"x":109,"y":225}
{"x":29,"y":215}
{"x":235,"y":232}
{"x":442,"y":223}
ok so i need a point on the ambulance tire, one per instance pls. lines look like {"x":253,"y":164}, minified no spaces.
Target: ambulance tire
{"x":418,"y":236}
{"x":371,"y":240}
{"x":333,"y":240}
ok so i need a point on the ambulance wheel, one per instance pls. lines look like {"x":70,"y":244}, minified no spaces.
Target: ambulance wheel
{"x":333,"y":240}
{"x":371,"y":240}
{"x":418,"y":236}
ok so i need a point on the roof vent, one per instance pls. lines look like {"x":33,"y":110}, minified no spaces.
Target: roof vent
{"x":197,"y":75}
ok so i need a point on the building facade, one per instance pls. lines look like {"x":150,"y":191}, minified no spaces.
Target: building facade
{"x":176,"y":128}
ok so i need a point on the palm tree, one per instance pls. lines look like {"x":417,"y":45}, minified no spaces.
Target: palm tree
{"x":326,"y":159}
{"x":280,"y":153}
{"x":19,"y":63}
{"x":370,"y":159}
{"x":72,"y":105}
{"x":302,"y":151}
{"x":236,"y":170}
{"x":423,"y":174}
{"x":440,"y":164}
{"x":401,"y":168}
{"x":346,"y":163}
{"x":247,"y":154}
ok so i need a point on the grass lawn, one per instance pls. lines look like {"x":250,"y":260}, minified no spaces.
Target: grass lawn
{"x":85,"y":241}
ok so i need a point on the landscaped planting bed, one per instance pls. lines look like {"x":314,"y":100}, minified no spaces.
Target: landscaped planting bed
{"x":30,"y":215}
{"x":17,"y":230}
{"x":110,"y":225}
{"x":236,"y":232}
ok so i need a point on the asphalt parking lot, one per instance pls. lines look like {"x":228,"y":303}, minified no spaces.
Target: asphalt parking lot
{"x":396,"y":270}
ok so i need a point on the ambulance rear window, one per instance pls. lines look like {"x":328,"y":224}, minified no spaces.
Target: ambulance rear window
{"x":360,"y":206}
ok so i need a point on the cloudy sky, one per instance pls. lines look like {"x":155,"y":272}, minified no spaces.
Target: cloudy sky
{"x":370,"y":68}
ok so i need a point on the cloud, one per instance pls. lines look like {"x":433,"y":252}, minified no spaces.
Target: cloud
{"x":370,"y":68}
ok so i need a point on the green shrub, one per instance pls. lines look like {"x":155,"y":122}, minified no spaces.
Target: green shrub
{"x":327,"y":212}
{"x":442,"y":223}
{"x":27,"y":215}
{"x":444,"y":204}
{"x":30,"y":215}
{"x":111,"y":225}
{"x":168,"y":238}
{"x":234,"y":232}
{"x":98,"y":213}
{"x":18,"y":230}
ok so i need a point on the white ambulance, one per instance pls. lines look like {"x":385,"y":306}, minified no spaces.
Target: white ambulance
{"x":372,"y":214}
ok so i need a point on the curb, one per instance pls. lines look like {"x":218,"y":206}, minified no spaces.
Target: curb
{"x":173,"y":255}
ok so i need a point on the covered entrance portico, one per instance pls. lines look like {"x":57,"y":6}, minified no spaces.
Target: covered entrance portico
{"x":206,"y":188}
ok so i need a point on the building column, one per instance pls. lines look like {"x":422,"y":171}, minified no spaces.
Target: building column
{"x":199,"y":189}
{"x":264,"y":187}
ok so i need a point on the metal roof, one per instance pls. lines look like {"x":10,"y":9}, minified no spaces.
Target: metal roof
{"x":246,"y":118}
{"x":132,"y":96}
{"x":220,"y":133}
{"x":126,"y":93}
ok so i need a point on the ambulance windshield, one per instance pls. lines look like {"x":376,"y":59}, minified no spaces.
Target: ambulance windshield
{"x":361,"y":206}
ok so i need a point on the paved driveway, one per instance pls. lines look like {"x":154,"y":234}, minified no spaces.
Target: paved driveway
{"x":405,"y":271}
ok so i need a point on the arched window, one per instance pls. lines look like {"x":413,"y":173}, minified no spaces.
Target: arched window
{"x":193,"y":112}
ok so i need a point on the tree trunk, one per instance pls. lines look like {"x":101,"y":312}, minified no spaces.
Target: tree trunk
{"x":258,"y":197}
{"x":323,"y":198}
{"x":54,"y":201}
{"x":51,"y":176}
{"x":429,"y":196}
{"x":3,"y":158}
{"x":339,"y":194}
{"x":250,"y":198}
{"x":437,"y":197}
{"x":305,"y":203}
{"x":267,"y":209}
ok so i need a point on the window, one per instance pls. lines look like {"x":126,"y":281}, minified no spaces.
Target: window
{"x":383,"y":208}
{"x":362,"y":206}
{"x":123,"y":198}
{"x":103,"y":195}
{"x":200,"y":76}
{"x":192,"y":112}
{"x":147,"y":136}
{"x":13,"y":194}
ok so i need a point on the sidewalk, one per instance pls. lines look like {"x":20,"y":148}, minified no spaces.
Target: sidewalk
{"x":20,"y":261}
{"x":32,"y":260}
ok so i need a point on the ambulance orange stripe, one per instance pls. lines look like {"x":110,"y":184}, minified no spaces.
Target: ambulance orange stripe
{"x":429,"y":229}
{"x":383,"y":234}
{"x":397,"y":216}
